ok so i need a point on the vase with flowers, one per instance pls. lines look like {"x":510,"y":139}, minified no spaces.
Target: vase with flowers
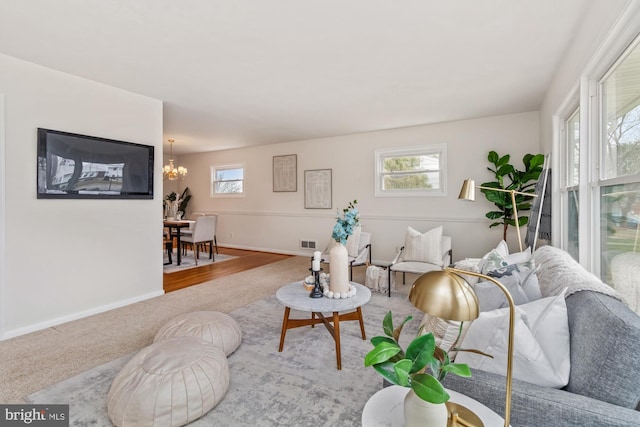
{"x":346,"y":223}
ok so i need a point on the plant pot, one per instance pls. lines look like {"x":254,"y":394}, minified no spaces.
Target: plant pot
{"x":420,"y":413}
{"x":339,"y":269}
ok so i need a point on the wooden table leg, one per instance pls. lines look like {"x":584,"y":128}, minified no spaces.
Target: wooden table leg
{"x":364,"y":336}
{"x":313,"y":316}
{"x":336,"y":327}
{"x":285,"y":322}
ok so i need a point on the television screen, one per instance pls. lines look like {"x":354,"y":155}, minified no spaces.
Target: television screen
{"x":87,"y":167}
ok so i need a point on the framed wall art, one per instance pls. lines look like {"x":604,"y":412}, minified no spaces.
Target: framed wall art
{"x":317,"y":189}
{"x":285,"y":173}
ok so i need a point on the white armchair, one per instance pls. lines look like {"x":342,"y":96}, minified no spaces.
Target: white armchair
{"x":361,"y":256}
{"x":406,"y":260}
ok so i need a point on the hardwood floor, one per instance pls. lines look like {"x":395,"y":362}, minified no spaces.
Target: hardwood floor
{"x":245,"y":261}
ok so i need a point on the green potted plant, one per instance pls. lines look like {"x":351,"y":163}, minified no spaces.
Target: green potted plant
{"x":409,"y":369}
{"x":507,"y":177}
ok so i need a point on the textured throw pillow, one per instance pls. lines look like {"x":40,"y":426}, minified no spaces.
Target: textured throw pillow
{"x":353,"y":242}
{"x":541,"y":343}
{"x":425,"y":247}
{"x":469,"y":264}
{"x":445,"y":332}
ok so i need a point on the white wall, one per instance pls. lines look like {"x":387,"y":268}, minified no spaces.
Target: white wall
{"x":70,"y":258}
{"x":594,"y":27}
{"x":266,"y":220}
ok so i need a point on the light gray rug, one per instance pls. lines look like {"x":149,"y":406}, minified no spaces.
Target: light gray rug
{"x":188,"y":261}
{"x":298,"y":387}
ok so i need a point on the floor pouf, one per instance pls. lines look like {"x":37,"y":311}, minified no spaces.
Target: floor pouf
{"x":217,"y":328}
{"x":169,"y":383}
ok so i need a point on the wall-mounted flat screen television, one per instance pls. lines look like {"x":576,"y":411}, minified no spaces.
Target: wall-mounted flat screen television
{"x":87,"y":167}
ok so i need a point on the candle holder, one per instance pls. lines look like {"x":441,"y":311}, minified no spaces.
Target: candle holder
{"x":317,"y":289}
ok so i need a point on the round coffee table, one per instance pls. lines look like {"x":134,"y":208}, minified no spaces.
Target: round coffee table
{"x":386,"y":408}
{"x":294,"y":295}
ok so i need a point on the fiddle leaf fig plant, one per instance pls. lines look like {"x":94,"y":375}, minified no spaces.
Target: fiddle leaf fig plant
{"x":409,"y":368}
{"x":507,"y":177}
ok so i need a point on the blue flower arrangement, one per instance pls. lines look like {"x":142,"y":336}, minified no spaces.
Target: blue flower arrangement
{"x":346,"y":223}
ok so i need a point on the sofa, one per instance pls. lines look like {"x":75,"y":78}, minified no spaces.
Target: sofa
{"x":603,"y":388}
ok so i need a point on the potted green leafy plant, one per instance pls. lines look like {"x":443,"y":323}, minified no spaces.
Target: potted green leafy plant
{"x":409,"y":369}
{"x":507,"y":177}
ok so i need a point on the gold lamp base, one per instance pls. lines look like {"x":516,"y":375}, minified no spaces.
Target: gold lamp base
{"x":460,"y":416}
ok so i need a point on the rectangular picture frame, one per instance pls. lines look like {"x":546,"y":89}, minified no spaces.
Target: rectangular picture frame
{"x":285,"y":173}
{"x":317,"y":189}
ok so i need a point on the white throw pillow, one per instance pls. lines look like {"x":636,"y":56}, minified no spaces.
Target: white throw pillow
{"x":353,"y":242}
{"x":425,"y":247}
{"x":541,"y":343}
{"x":518,"y":257}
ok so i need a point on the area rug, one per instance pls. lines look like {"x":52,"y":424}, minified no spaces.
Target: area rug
{"x":297,"y":387}
{"x":188,"y":262}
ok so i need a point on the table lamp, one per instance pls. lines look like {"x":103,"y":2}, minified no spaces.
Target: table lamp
{"x":446,"y":294}
{"x":468,"y":192}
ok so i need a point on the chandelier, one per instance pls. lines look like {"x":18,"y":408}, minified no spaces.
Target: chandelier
{"x":170,"y":171}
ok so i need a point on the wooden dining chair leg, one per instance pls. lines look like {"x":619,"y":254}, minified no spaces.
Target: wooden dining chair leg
{"x":216,"y":242}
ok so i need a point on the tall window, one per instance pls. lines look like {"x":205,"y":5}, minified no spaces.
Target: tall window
{"x":572,"y":144}
{"x":619,"y":180}
{"x":227,"y":180}
{"x":411,"y":171}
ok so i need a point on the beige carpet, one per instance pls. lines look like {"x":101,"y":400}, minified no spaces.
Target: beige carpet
{"x":34,"y":361}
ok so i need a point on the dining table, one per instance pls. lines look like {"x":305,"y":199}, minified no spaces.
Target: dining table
{"x":177,"y":226}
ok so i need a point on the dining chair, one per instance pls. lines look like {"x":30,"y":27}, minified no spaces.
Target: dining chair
{"x":203,"y":232}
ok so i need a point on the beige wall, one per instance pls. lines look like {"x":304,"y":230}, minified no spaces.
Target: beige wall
{"x":266,"y":220}
{"x":70,"y":258}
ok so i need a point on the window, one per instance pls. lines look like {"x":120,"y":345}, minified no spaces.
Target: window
{"x":411,"y":171}
{"x":227,"y":180}
{"x":619,"y":180}
{"x":600,"y":185}
{"x":572,"y":146}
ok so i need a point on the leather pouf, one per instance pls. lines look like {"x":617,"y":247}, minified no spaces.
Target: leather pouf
{"x":219,"y":329}
{"x":169,"y":383}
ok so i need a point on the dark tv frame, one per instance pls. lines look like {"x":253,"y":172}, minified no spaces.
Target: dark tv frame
{"x":44,"y":149}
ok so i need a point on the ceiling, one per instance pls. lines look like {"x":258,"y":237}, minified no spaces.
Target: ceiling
{"x":234,"y":73}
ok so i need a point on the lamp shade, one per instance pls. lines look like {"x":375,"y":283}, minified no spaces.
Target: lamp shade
{"x":468,"y":190}
{"x":446,"y":295}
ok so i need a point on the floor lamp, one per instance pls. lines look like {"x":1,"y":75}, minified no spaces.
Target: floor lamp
{"x":447,"y":295}
{"x":468,"y":192}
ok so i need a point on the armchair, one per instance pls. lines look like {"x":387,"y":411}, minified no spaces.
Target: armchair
{"x":406,"y":260}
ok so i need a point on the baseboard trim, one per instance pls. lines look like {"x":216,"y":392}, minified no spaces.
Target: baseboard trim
{"x":75,"y":316}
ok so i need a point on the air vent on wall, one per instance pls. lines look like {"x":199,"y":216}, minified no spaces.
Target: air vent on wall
{"x":307,"y":244}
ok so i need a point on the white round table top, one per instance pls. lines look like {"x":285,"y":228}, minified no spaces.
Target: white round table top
{"x":386,"y":408}
{"x":295,"y":296}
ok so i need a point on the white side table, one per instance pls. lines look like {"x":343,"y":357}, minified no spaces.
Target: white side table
{"x":386,"y":408}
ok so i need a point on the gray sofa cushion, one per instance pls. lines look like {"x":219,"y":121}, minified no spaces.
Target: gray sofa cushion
{"x":605,"y":349}
{"x":535,"y":406}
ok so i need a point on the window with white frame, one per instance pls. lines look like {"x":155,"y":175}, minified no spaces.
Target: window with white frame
{"x":572,"y":181}
{"x":601,"y":162}
{"x":411,"y":171}
{"x":619,"y":178}
{"x":227,"y":180}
